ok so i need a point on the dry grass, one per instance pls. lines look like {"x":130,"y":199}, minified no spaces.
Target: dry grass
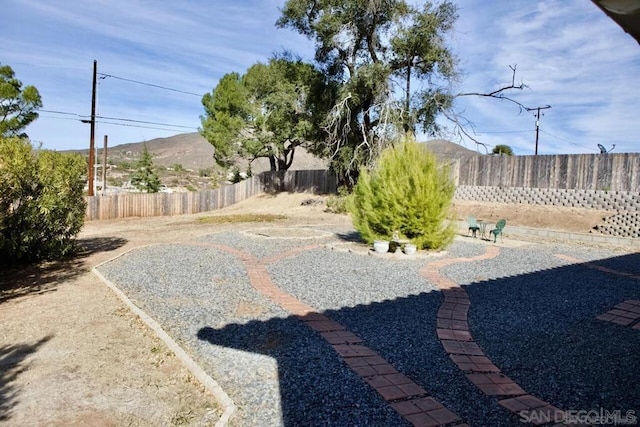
{"x":220,"y":219}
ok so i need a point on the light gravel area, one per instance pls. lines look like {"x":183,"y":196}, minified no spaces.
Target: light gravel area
{"x":277,"y":371}
{"x":532,"y":313}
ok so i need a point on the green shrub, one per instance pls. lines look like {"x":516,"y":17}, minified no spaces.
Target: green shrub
{"x":408,"y":193}
{"x":42,"y":208}
{"x":205,"y":173}
{"x":337,"y":203}
{"x":125,"y":165}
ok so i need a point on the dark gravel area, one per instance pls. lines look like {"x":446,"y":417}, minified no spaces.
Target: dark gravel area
{"x":541,"y":329}
{"x":532,"y":313}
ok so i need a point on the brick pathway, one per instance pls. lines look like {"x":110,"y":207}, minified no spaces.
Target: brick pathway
{"x":453,"y":332}
{"x":406,"y":397}
{"x":626,"y":313}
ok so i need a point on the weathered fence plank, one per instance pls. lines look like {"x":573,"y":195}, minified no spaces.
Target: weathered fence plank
{"x":164,"y":204}
{"x":616,"y":172}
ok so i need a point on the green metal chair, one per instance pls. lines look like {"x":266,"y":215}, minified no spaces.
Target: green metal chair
{"x":498,"y":230}
{"x":473,"y":225}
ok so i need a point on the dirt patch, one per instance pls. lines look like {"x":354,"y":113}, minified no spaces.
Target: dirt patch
{"x":534,"y":216}
{"x":72,"y":354}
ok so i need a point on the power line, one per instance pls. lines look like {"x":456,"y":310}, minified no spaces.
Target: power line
{"x":144,"y":122}
{"x":566,"y":140}
{"x":125,"y":124}
{"x":58,"y":118}
{"x":83,"y":117}
{"x":506,"y":131}
{"x":61,"y":112}
{"x":104,"y":76}
{"x":142,"y":127}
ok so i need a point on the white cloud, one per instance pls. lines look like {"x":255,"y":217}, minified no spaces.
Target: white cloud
{"x":569,"y":53}
{"x":572,"y":57}
{"x":182,"y":45}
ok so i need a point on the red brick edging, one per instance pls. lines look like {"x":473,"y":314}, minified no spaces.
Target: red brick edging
{"x":453,"y":332}
{"x":406,"y":397}
{"x":625,"y":313}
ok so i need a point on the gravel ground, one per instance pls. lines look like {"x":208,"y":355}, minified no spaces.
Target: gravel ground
{"x":533,"y":314}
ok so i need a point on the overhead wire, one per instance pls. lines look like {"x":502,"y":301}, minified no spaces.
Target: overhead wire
{"x":506,"y":131}
{"x":174,"y":127}
{"x":144,"y":127}
{"x":567,"y":140}
{"x":82,"y":117}
{"x":149,"y":84}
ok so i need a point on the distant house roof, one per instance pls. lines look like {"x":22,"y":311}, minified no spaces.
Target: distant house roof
{"x":625,"y":13}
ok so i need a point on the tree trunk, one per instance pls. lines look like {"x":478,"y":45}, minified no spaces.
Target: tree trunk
{"x":408,"y":126}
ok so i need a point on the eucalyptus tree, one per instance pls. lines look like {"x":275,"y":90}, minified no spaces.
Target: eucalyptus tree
{"x":265,"y":113}
{"x":392,"y":67}
{"x":18,"y":105}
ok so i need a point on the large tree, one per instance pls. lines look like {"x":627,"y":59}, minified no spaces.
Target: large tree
{"x":266,"y":113}
{"x":18,"y":105}
{"x":391,"y":63}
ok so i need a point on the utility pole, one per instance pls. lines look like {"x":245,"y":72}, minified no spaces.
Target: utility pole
{"x":104,"y":167}
{"x":537,"y":116}
{"x":93,"y":128}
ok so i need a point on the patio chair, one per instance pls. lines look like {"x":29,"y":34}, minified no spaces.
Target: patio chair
{"x":473,"y":225}
{"x":498,"y":230}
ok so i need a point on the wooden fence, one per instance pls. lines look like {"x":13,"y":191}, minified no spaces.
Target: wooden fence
{"x":615,"y":172}
{"x":127,"y":205}
{"x":319,"y":181}
{"x":163,"y":204}
{"x":611,"y":172}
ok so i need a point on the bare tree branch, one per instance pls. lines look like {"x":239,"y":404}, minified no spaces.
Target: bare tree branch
{"x":461,"y":129}
{"x":499,"y":93}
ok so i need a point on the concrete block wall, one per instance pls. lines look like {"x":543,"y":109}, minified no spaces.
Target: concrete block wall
{"x":624,"y":220}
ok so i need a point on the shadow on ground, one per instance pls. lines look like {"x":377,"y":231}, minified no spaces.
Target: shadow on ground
{"x":540,"y":328}
{"x":12,"y":364}
{"x":46,"y":276}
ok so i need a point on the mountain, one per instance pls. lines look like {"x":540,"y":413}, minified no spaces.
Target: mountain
{"x":193,"y":151}
{"x":447,"y":150}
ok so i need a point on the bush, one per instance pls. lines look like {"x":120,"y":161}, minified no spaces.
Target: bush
{"x":42,"y":208}
{"x":125,"y":165}
{"x":407,"y":193}
{"x":337,"y":203}
{"x":205,"y":173}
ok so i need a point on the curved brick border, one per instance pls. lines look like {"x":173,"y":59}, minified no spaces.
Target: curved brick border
{"x":594,"y":266}
{"x":625,"y":313}
{"x":453,"y":332}
{"x":405,"y":396}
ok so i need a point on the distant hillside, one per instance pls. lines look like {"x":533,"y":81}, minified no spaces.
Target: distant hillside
{"x":193,"y":151}
{"x":447,"y":150}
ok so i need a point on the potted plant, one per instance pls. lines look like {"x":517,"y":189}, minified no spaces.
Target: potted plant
{"x":381,"y":246}
{"x":409,"y":248}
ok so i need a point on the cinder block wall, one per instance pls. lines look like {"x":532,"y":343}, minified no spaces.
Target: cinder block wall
{"x":624,"y":206}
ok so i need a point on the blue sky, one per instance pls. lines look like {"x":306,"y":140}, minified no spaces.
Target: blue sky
{"x":568,"y":52}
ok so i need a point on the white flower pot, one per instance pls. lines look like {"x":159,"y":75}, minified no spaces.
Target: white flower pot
{"x":381,"y":246}
{"x":410,"y":249}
